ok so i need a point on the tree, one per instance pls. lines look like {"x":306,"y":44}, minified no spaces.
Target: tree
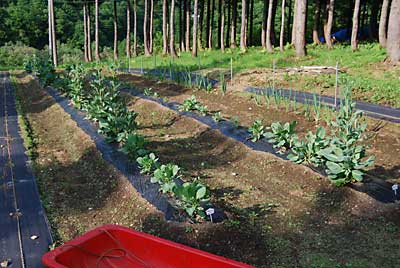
{"x":200,"y":25}
{"x":222,"y":29}
{"x":187,"y":33}
{"x":145,"y":31}
{"x":128,"y":28}
{"x":317,"y":17}
{"x":294,"y":24}
{"x":269,"y":26}
{"x":115,"y":31}
{"x":251,"y":22}
{"x":96,"y":36}
{"x":89,"y":33}
{"x":354,"y":30}
{"x":383,"y":23}
{"x":393,"y":36}
{"x":164,"y":28}
{"x":195,"y":23}
{"x":151,"y":26}
{"x":85,"y":48}
{"x":228,"y":26}
{"x":281,"y":36}
{"x":134,"y":29}
{"x":208,"y":18}
{"x":210,"y":33}
{"x":233,"y":24}
{"x":53,"y":34}
{"x":300,"y":15}
{"x":328,"y":22}
{"x":243,"y":27}
{"x":264,"y":24}
{"x":172,"y":50}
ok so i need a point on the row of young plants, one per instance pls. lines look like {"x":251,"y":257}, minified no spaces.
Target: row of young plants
{"x":104,"y":104}
{"x":41,"y":67}
{"x":337,"y":150}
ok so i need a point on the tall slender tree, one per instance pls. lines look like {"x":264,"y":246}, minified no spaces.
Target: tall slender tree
{"x":317,"y":17}
{"x":85,"y":48}
{"x":281,"y":36}
{"x":145,"y":30}
{"x":151,"y":26}
{"x":270,"y":49}
{"x":222,"y":29}
{"x":135,"y":53}
{"x":115,"y":31}
{"x":164,"y":28}
{"x":228,"y":23}
{"x":354,"y":30}
{"x":251,"y":23}
{"x":330,"y":5}
{"x":393,"y":37}
{"x":195,"y":23}
{"x":53,"y":34}
{"x":128,"y":28}
{"x":383,"y":23}
{"x":264,"y":25}
{"x":300,"y":15}
{"x":220,"y":10}
{"x":187,"y":24}
{"x":172,"y":50}
{"x":89,"y":33}
{"x":294,"y":23}
{"x":243,"y":27}
{"x":210,"y":33}
{"x":208,"y":20}
{"x":200,"y":24}
{"x":233,"y":23}
{"x":96,"y":17}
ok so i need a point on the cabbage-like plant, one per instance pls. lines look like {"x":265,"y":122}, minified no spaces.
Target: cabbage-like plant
{"x":257,"y":130}
{"x":282,"y":135}
{"x":192,"y":197}
{"x":134,"y":146}
{"x":147,"y":163}
{"x":165,"y":175}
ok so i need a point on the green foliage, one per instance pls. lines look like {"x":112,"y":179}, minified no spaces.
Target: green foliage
{"x":309,"y":151}
{"x":282,"y":135}
{"x":217,"y":116}
{"x":76,"y":92}
{"x":134,"y":145}
{"x":114,"y":126}
{"x":165,"y":175}
{"x":147,"y":163}
{"x":42,"y":67}
{"x":257,"y":130}
{"x":191,"y":104}
{"x":192,"y":197}
{"x":15,"y":54}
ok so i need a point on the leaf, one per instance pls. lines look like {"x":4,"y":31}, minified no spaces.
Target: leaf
{"x":201,"y":192}
{"x":357,"y":174}
{"x":334,"y":167}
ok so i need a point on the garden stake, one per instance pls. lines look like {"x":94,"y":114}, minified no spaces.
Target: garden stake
{"x":231,"y":72}
{"x":141,"y":65}
{"x":395,"y":187}
{"x":209,"y":212}
{"x":337,"y":84}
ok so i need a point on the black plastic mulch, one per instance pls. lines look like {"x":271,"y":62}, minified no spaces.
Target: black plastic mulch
{"x":111,"y":154}
{"x":24,"y":230}
{"x":374,"y":187}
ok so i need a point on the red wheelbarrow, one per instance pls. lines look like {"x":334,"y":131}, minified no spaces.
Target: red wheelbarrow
{"x":112,"y":246}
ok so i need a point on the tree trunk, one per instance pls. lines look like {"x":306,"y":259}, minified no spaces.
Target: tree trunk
{"x":208,"y":23}
{"x":228,"y":22}
{"x":164,"y":28}
{"x":270,"y":49}
{"x":151,"y":26}
{"x":49,"y":29}
{"x":128,"y":28}
{"x":182,"y":6}
{"x":383,"y":23}
{"x":221,"y":39}
{"x":251,"y":22}
{"x":243,"y":27}
{"x":328,"y":23}
{"x":210,"y":34}
{"x":195,"y":23}
{"x":96,"y":16}
{"x":294,"y":23}
{"x":220,"y":10}
{"x":187,"y":35}
{"x":200,"y":25}
{"x":300,"y":39}
{"x":317,"y":16}
{"x":264,"y":25}
{"x":273,"y":33}
{"x":145,"y":31}
{"x":89,"y":33}
{"x":115,"y":31}
{"x":85,"y":48}
{"x":53,"y":35}
{"x":172,"y":50}
{"x":134,"y":29}
{"x":281,"y":36}
{"x":354,"y":30}
{"x":233,"y":24}
{"x":393,"y":37}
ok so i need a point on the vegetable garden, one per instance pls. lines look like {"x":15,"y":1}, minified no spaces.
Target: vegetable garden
{"x":289,"y":184}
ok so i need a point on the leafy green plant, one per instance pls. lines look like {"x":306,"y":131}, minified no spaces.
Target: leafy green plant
{"x":192,"y":197}
{"x":165,"y":175}
{"x":223,"y":83}
{"x":257,"y":130}
{"x":309,"y":151}
{"x":217,"y":117}
{"x":235,"y":121}
{"x":113,"y":127}
{"x":282,"y":135}
{"x":134,"y":146}
{"x":147,"y":163}
{"x":192,"y":104}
